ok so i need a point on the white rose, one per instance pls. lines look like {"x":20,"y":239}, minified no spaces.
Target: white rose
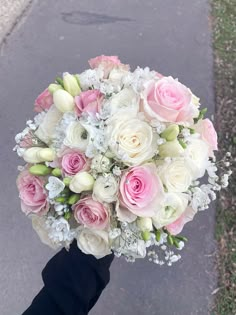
{"x":197,"y":152}
{"x":101,"y":163}
{"x":173,"y":207}
{"x":76,"y":136}
{"x":39,"y":225}
{"x":125,"y":99}
{"x":132,"y":140}
{"x":105,"y":189}
{"x":176,"y":175}
{"x":94,"y":242}
{"x":46,"y":129}
{"x":145,"y":224}
{"x":82,"y":181}
{"x":171,"y":149}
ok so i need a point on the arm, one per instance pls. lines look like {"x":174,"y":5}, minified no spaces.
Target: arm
{"x":73,"y":283}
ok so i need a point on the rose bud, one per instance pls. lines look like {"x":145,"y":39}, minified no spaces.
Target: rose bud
{"x":82,"y":181}
{"x":63,"y":101}
{"x":31,"y":155}
{"x":170,"y":133}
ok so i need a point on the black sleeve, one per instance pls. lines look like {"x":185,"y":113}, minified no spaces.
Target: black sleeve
{"x":73,"y":283}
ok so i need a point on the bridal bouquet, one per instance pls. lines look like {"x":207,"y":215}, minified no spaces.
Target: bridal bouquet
{"x":113,"y":160}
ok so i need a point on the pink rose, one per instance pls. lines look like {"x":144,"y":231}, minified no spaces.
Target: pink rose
{"x":107,"y":63}
{"x":177,"y":226}
{"x":168,"y":100}
{"x":32,"y":194}
{"x":141,"y":190}
{"x":104,"y":60}
{"x":43,"y":102}
{"x":88,"y":102}
{"x":73,"y":162}
{"x":91,"y":213}
{"x":208,"y":134}
{"x":27,"y":141}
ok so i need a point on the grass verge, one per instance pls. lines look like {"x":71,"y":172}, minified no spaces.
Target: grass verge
{"x":224,"y":44}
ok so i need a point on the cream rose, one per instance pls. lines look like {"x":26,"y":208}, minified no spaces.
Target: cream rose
{"x":76,"y":136}
{"x":197,"y":152}
{"x":176,"y":175}
{"x":93,"y":242}
{"x":130,"y":138}
{"x":46,"y":129}
{"x":105,"y":188}
{"x":173,"y":207}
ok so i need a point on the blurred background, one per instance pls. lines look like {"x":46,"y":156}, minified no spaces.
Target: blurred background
{"x":191,"y":40}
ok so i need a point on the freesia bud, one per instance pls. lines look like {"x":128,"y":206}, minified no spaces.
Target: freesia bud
{"x":145,"y":224}
{"x":71,"y":84}
{"x":170,"y":149}
{"x":73,"y":199}
{"x":63,"y":101}
{"x":67,"y":181}
{"x":54,"y":87}
{"x":56,"y":172}
{"x":82,"y":181}
{"x":146,"y":236}
{"x":60,"y":199}
{"x":170,"y":133}
{"x":46,"y":154}
{"x":40,"y":170}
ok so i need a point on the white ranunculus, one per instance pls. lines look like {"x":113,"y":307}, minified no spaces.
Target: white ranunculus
{"x":39,"y":225}
{"x":145,"y":224}
{"x":82,"y":181}
{"x":105,"y":188}
{"x":125,"y":99}
{"x":45,"y":131}
{"x":131,"y":139}
{"x":171,"y":149}
{"x":176,"y":175}
{"x":101,"y":163}
{"x":76,"y":136}
{"x":94,"y":242}
{"x":173,"y":207}
{"x":197,"y":152}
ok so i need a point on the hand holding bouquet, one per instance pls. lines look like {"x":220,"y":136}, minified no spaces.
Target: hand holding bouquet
{"x":113,"y":159}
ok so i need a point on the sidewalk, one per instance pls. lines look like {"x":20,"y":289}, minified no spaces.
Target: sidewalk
{"x":10,"y":14}
{"x":172,"y":37}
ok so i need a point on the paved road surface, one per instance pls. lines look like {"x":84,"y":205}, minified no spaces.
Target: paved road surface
{"x":172,"y":37}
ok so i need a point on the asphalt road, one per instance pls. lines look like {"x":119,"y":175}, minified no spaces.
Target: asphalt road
{"x":172,"y":37}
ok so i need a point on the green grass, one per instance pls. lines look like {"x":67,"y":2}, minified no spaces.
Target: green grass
{"x":224,"y":44}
